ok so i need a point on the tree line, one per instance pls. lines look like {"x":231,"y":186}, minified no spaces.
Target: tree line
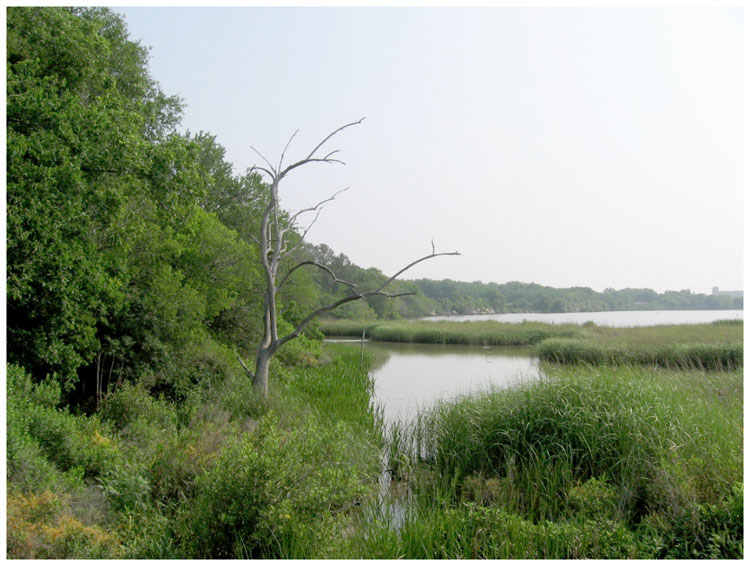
{"x":130,"y":245}
{"x":134,"y":252}
{"x":448,"y":297}
{"x":133,"y":249}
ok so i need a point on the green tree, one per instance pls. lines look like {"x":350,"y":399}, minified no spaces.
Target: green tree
{"x":126,"y":253}
{"x":80,"y":107}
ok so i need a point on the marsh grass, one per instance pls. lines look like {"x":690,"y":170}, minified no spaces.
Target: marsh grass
{"x":718,"y":356}
{"x":715,"y":345}
{"x":624,"y":462}
{"x":484,"y":333}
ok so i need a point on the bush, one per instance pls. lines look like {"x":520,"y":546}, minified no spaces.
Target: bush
{"x":41,"y":526}
{"x":49,"y":447}
{"x":706,"y":531}
{"x":131,"y":403}
{"x":273,"y":494}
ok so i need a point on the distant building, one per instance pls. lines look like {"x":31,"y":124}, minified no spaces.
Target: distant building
{"x":715,"y":291}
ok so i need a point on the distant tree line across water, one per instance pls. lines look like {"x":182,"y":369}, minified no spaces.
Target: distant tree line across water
{"x":132,"y":249}
{"x":446,"y":297}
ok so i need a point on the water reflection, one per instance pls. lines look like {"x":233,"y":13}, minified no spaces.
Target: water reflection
{"x":412,"y":377}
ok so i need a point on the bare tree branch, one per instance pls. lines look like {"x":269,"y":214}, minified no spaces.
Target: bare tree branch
{"x":327,"y":159}
{"x":333,"y":133}
{"x":349,"y":298}
{"x":413,"y":263}
{"x":316,"y":207}
{"x":247,"y":371}
{"x":318,"y":265}
{"x":281,"y":159}
{"x":272,"y":171}
{"x":353,"y":297}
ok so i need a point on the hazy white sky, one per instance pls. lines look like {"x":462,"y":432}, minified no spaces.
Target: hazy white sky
{"x":599,"y":147}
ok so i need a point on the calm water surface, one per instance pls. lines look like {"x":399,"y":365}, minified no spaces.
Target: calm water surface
{"x":411,"y":377}
{"x":609,"y":318}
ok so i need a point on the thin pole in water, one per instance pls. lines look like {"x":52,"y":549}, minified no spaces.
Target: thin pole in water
{"x":362,"y":349}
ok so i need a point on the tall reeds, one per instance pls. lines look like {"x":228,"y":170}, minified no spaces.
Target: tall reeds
{"x":488,"y":333}
{"x":678,"y":356}
{"x":616,"y":462}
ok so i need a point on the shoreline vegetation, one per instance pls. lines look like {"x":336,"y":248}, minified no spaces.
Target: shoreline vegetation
{"x":135,"y":289}
{"x":717,"y":345}
{"x":598,"y":463}
{"x":593,"y":462}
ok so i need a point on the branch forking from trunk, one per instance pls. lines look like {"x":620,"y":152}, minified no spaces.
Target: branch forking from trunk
{"x":274,"y":247}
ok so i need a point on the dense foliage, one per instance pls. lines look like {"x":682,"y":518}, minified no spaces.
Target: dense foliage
{"x":129,"y":251}
{"x":133,"y":281}
{"x":588,"y":463}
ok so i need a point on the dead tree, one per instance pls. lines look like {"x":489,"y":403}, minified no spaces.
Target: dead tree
{"x":275,"y":245}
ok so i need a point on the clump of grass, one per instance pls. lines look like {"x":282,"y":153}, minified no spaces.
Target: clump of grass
{"x":682,"y":356}
{"x":628,"y":426}
{"x":650,"y":459}
{"x":484,"y":333}
{"x":468,"y":530}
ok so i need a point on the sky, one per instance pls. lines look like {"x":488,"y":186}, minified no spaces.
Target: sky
{"x":566,"y":146}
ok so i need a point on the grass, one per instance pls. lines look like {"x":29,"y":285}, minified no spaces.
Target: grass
{"x":708,"y":346}
{"x":619,"y":462}
{"x":686,"y":356}
{"x":485,"y":333}
{"x":610,"y":461}
{"x":712,"y":346}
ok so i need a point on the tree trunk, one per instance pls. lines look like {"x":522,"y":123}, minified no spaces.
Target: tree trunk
{"x":260,"y":380}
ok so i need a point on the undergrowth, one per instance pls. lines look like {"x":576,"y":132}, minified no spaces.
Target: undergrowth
{"x":215,"y":473}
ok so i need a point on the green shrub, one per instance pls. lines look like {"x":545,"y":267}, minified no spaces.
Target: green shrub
{"x":707,"y":531}
{"x":478,"y":532}
{"x":276,"y":493}
{"x":77,"y":446}
{"x":131,"y":403}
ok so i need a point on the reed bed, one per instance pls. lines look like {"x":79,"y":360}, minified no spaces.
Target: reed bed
{"x":528,"y":332}
{"x":680,"y":356}
{"x":484,"y":333}
{"x":624,"y":462}
{"x":719,"y":332}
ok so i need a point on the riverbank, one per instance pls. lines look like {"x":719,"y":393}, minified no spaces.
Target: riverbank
{"x":716,"y":345}
{"x":596,"y":463}
{"x":215,"y":473}
{"x":606,"y":462}
{"x":487,"y":333}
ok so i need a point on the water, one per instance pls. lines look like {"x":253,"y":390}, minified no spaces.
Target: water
{"x":609,"y":318}
{"x":412,"y":377}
